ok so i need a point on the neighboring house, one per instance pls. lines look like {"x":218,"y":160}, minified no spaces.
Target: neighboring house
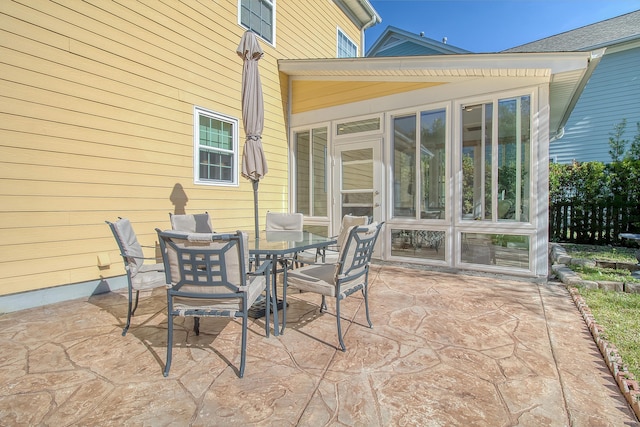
{"x":612,"y":93}
{"x":396,"y":42}
{"x":104,"y":106}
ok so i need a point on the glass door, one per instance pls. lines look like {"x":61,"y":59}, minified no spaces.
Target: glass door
{"x":358,"y":183}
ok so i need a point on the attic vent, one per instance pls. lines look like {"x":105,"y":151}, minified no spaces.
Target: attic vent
{"x":474,"y":128}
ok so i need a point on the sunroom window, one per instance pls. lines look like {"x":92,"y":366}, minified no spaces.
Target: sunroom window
{"x":419,"y":165}
{"x":311,"y":172}
{"x":258,"y":16}
{"x":215,"y":148}
{"x":496,"y":160}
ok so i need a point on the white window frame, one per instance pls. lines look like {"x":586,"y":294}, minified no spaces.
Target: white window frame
{"x":272,"y":4}
{"x":234,"y":122}
{"x":337,"y":123}
{"x":340,"y":32}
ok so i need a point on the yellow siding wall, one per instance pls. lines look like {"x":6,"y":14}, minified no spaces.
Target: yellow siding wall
{"x":96,"y":122}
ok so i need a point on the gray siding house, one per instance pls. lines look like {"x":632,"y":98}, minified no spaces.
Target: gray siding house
{"x":611,"y":94}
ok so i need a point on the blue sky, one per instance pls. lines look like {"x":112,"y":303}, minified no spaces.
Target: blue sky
{"x":492,"y":26}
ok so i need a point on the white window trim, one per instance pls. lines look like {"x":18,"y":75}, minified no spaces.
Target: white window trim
{"x":197,"y":111}
{"x":341,"y":31}
{"x":273,"y":24}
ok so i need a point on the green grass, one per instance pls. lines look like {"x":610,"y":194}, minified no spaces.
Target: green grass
{"x":619,"y":314}
{"x":598,"y":274}
{"x":603,"y":253}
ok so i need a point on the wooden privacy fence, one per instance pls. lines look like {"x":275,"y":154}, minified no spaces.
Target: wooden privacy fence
{"x":594,"y":223}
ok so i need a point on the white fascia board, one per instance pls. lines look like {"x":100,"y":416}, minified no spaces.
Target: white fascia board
{"x":472,"y":65}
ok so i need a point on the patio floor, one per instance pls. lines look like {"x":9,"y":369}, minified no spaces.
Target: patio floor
{"x":445,"y":350}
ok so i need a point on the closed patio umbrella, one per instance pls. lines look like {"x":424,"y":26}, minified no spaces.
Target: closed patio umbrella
{"x":254,"y":163}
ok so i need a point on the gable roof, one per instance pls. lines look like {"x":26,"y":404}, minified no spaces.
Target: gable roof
{"x":396,"y":42}
{"x":621,"y":29}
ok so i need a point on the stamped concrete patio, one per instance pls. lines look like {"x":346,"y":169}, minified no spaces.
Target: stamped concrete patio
{"x":445,"y":350}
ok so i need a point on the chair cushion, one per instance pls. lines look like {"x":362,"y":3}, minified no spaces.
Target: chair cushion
{"x":130,"y":244}
{"x":150,"y":279}
{"x":192,"y":223}
{"x":204,"y":241}
{"x":284,"y":221}
{"x":319,"y":279}
{"x":349,"y":221}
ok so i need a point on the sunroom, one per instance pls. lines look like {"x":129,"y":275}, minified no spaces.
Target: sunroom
{"x":451,"y":152}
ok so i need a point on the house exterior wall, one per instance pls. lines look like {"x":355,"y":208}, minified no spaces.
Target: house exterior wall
{"x":96,"y":106}
{"x":611,"y":95}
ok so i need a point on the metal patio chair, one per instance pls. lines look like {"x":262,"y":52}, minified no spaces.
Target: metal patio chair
{"x":348,"y":275}
{"x":207,"y":276}
{"x":140,"y":276}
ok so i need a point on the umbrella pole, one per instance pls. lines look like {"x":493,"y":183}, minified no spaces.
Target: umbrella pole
{"x":255,"y":207}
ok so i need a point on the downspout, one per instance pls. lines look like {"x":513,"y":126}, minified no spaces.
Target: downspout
{"x":374,"y":21}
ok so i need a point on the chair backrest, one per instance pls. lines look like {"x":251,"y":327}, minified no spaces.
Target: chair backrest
{"x":208,"y":264}
{"x":355,"y":255}
{"x":284,"y":221}
{"x":128,"y":244}
{"x":349,"y":221}
{"x":191,"y":223}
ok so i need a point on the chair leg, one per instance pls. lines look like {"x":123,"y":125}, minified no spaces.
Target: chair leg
{"x":342,"y":346}
{"x":267,"y":306}
{"x":196,"y":325}
{"x":167,"y":365}
{"x":130,"y":311}
{"x":365,"y":293}
{"x":243,"y":350}
{"x":136,"y":305}
{"x":284,"y":301}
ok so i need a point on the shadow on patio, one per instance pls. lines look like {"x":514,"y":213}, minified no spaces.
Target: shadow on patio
{"x":444,"y":350}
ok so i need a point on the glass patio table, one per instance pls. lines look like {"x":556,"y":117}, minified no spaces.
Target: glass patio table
{"x":276,"y":245}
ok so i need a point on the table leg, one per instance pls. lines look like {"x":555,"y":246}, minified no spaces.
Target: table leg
{"x":274,"y":294}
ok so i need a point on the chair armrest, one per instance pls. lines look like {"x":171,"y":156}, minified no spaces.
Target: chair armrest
{"x":265,"y":266}
{"x":137,"y":257}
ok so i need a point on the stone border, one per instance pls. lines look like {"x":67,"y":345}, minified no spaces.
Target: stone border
{"x":626,"y":382}
{"x":560,"y":260}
